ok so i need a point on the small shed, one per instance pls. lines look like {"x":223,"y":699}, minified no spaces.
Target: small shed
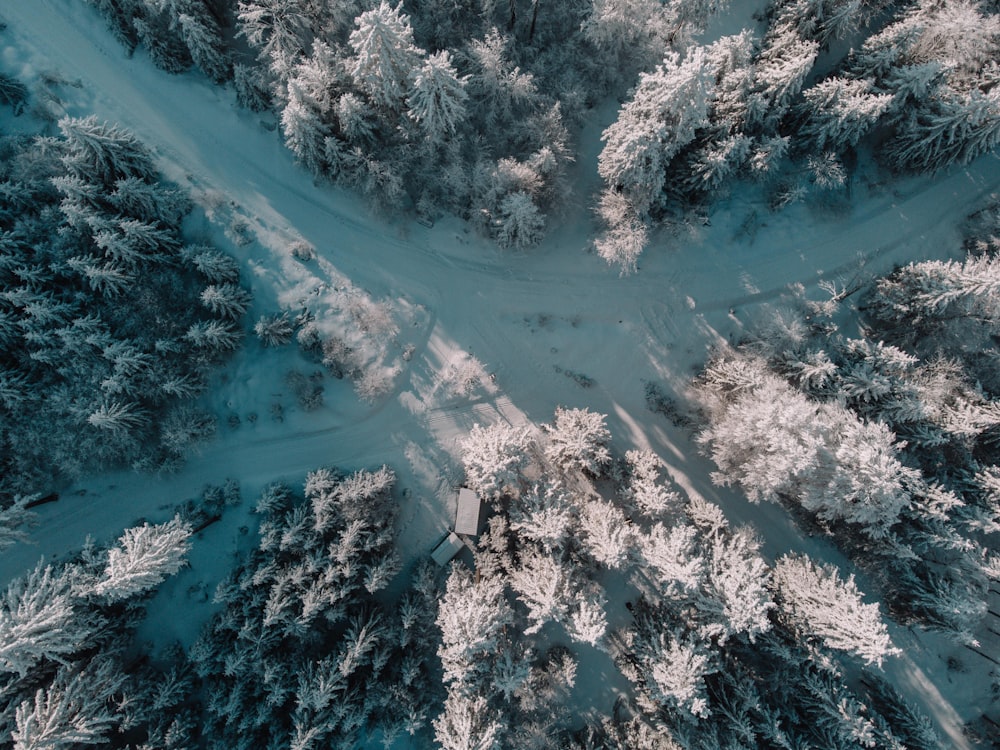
{"x":467,"y":515}
{"x":449,"y":547}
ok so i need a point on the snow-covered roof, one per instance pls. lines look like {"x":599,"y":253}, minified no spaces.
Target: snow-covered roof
{"x":448,"y":548}
{"x":467,"y":514}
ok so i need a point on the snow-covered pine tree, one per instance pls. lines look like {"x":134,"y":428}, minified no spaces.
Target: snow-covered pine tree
{"x":817,"y":602}
{"x":778,"y":75}
{"x":577,"y":440}
{"x":227,"y":300}
{"x":472,"y":615}
{"x":954,"y":128}
{"x":74,"y":710}
{"x":839,"y":111}
{"x":467,"y":723}
{"x":938,"y":61}
{"x":214,"y":336}
{"x":495,"y":457}
{"x":519,"y":223}
{"x":15,"y":518}
{"x":147,"y":202}
{"x":672,"y":667}
{"x":204,"y":40}
{"x":622,"y":243}
{"x":588,"y":620}
{"x":39,"y":620}
{"x":775,"y":443}
{"x":215,"y":266}
{"x":103,"y":153}
{"x":146,"y":555}
{"x":385,"y":58}
{"x":437,"y":99}
{"x":544,"y":585}
{"x":632,"y":33}
{"x":737,"y":597}
{"x":545,"y":515}
{"x":274,"y":330}
{"x":304,"y":129}
{"x":672,"y":559}
{"x":278,"y":29}
{"x":498,"y":89}
{"x":121,"y":417}
{"x":643,"y":486}
{"x":607,"y":535}
{"x":663,"y":115}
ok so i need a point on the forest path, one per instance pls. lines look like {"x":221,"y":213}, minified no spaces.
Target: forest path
{"x":534,"y":319}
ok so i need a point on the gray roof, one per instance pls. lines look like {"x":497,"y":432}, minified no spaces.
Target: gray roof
{"x":467,"y":515}
{"x":449,"y":547}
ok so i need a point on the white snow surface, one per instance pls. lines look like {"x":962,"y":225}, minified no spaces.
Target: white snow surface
{"x":494,"y":335}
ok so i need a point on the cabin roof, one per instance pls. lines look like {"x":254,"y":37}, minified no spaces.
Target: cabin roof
{"x":447,"y":549}
{"x":467,"y":514}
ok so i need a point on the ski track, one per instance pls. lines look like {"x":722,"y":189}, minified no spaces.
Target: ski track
{"x":625,"y":330}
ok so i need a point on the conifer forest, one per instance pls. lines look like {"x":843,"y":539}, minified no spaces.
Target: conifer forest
{"x":500,"y":374}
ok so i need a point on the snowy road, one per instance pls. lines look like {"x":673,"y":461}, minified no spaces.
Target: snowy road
{"x":532,"y":319}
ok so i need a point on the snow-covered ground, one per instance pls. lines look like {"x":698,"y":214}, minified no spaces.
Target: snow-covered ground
{"x":488,"y":335}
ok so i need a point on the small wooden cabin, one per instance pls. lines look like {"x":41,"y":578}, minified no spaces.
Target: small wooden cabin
{"x":467,"y":513}
{"x":450,"y":546}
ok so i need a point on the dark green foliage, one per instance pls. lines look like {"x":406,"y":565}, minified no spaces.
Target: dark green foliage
{"x":13,"y":93}
{"x":303,"y":654}
{"x":913,"y":728}
{"x":99,"y":300}
{"x":71,"y":673}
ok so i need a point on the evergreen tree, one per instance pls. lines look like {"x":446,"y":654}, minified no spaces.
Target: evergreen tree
{"x":818,"y":602}
{"x":662,"y":116}
{"x":467,"y":724}
{"x":39,"y":621}
{"x":545,"y":515}
{"x":385,"y":58}
{"x":839,"y":111}
{"x":73,"y":711}
{"x":519,"y":222}
{"x":494,"y":458}
{"x":736,"y":587}
{"x":472,"y":616}
{"x":543,"y":585}
{"x":437,"y":98}
{"x":278,"y":29}
{"x":577,"y":439}
{"x":204,"y":40}
{"x":103,"y":153}
{"x":146,"y":556}
{"x":643,"y":487}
